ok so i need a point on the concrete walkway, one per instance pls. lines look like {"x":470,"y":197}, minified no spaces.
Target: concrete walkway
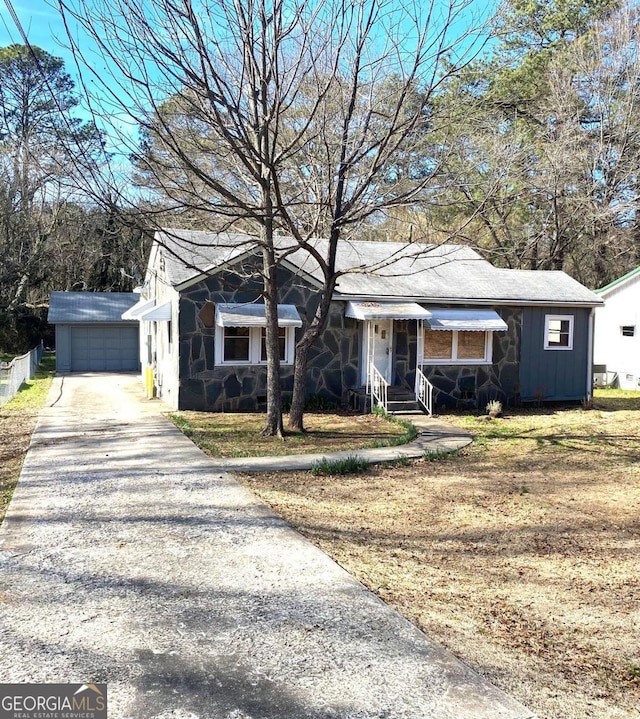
{"x":433,"y":437}
{"x":127,"y":558}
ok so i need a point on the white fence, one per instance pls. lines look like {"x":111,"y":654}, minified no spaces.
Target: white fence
{"x":19,"y":370}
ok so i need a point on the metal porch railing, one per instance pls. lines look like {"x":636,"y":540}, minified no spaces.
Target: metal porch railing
{"x":424,"y":391}
{"x":378,"y":387}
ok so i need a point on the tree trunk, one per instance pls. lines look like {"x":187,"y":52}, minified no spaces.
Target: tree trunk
{"x":296,"y":414}
{"x":273,"y":425}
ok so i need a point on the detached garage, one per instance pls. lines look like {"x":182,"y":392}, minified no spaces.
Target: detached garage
{"x":91,"y":335}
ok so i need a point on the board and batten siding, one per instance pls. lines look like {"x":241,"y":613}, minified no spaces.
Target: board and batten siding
{"x":553,"y":375}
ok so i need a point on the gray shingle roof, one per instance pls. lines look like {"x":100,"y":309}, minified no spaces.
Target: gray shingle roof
{"x":70,"y":307}
{"x":189,"y":253}
{"x":433,"y":273}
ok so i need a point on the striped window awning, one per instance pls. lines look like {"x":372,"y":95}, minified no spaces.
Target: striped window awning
{"x":466,"y":320}
{"x":253,"y":315}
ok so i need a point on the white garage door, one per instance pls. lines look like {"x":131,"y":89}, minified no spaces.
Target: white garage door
{"x":104,"y":348}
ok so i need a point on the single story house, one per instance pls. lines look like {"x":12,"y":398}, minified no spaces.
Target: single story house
{"x":435,"y":323}
{"x":617,"y":335}
{"x":91,"y":335}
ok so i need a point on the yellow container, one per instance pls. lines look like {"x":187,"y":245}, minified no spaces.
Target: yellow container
{"x":148,"y":382}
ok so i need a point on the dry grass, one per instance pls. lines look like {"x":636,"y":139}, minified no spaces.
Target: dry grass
{"x":520,"y":554}
{"x":239,"y":435}
{"x":17,"y":421}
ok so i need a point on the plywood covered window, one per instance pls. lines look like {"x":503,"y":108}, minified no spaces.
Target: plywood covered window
{"x":472,"y":345}
{"x":438,"y":344}
{"x":456,"y":347}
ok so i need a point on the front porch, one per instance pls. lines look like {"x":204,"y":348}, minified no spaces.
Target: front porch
{"x":411,"y":355}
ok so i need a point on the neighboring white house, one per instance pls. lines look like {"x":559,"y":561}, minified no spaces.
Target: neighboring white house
{"x":617,"y":332}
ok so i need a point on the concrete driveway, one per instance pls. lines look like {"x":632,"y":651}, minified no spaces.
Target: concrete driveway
{"x":127,"y":558}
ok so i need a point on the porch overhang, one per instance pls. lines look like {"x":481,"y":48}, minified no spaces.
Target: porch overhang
{"x":386,"y":311}
{"x":142,"y":305}
{"x":161,"y":313}
{"x":253,"y":315}
{"x":466,"y":320}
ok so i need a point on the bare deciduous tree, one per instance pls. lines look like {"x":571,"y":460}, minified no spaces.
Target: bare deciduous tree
{"x":551,"y":180}
{"x":303,"y":117}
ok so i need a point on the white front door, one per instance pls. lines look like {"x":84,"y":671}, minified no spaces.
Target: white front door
{"x":378,"y":346}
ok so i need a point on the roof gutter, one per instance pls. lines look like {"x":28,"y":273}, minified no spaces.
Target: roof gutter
{"x":470,"y":300}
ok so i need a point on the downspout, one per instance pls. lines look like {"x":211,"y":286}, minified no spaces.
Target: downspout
{"x":419,"y":352}
{"x":366,"y":358}
{"x":590,"y":339}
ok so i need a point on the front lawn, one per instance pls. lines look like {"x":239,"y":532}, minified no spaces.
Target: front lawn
{"x":239,"y":435}
{"x":17,"y":421}
{"x":520,"y":553}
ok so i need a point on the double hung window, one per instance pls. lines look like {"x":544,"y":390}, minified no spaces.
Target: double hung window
{"x":248,"y":345}
{"x":558,"y":332}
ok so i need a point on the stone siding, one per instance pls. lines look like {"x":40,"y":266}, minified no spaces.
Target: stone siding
{"x":333,"y":359}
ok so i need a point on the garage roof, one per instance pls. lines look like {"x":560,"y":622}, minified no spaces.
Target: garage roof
{"x":88,"y":307}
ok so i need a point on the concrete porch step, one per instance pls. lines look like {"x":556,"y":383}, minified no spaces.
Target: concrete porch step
{"x":403,"y":406}
{"x":399,"y":401}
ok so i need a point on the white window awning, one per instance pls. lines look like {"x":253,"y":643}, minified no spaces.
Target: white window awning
{"x":386,"y":311}
{"x":466,"y":320}
{"x":161,"y":313}
{"x":142,"y":305}
{"x":253,"y":315}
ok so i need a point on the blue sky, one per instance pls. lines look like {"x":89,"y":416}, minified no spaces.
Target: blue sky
{"x":41,"y":23}
{"x":44,"y":27}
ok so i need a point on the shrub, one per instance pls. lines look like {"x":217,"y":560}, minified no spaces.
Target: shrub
{"x":319,"y":403}
{"x":438,"y":454}
{"x":348,"y":465}
{"x":494,"y":408}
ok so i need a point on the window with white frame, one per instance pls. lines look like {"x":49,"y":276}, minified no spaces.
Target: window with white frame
{"x":628,"y":330}
{"x":247,"y":345}
{"x":558,"y":332}
{"x":282,"y":344}
{"x":456,"y":347}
